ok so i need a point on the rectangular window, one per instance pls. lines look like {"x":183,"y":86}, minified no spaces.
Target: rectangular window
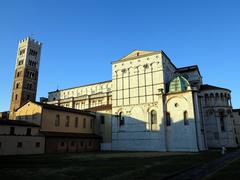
{"x":57,"y":120}
{"x":102,"y":119}
{"x":16,"y":96}
{"x":222,"y":124}
{"x":37,"y":145}
{"x":82,"y":143}
{"x":91,"y":123}
{"x":29,"y":131}
{"x":76,"y":122}
{"x":19,"y":144}
{"x":0,"y":144}
{"x":12,"y":130}
{"x":89,"y":143}
{"x":67,"y":121}
{"x":168,"y":119}
{"x":84,"y":123}
{"x":62,"y":144}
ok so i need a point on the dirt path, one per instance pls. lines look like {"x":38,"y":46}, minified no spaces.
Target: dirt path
{"x":203,"y":170}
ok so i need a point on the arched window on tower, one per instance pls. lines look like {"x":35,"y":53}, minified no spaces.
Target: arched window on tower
{"x":185,"y":118}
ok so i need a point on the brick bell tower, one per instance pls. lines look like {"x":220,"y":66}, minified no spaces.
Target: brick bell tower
{"x":26,"y":73}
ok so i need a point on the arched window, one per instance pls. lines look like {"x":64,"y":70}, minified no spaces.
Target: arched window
{"x":168,"y":119}
{"x":185,"y":118}
{"x":17,"y":86}
{"x":121,"y":119}
{"x":153,"y":117}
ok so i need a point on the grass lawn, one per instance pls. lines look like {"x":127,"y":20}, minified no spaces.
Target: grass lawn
{"x":119,"y":165}
{"x":230,"y":172}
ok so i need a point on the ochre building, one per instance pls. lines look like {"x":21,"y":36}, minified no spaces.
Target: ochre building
{"x":65,"y":129}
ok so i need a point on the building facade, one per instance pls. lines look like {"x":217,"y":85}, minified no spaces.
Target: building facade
{"x":26,"y":74}
{"x":156,"y":106}
{"x":20,"y":137}
{"x":65,"y":129}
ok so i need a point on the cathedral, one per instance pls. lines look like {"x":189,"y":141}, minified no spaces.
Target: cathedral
{"x":152,"y":105}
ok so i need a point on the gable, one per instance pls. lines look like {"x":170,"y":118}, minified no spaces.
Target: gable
{"x":28,"y":108}
{"x":136,"y":54}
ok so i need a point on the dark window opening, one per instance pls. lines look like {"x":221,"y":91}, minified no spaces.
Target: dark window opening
{"x":102,"y":119}
{"x":121,"y":119}
{"x":185,"y":118}
{"x":12,"y":130}
{"x":76,"y":122}
{"x":84,"y":123}
{"x":82,"y":143}
{"x":91,"y":123}
{"x":89,"y":143}
{"x":29,"y":131}
{"x":18,"y":74}
{"x":57,"y":120}
{"x":168,"y":119}
{"x":20,"y":62}
{"x":37,"y":145}
{"x":67,"y":121}
{"x":19,"y":144}
{"x":222,"y":123}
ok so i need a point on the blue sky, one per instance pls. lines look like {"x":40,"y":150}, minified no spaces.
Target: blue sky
{"x":81,"y":38}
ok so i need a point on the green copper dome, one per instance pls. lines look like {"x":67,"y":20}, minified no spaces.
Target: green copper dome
{"x":178,"y":84}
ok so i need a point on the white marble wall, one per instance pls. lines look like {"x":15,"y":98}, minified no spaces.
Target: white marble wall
{"x":215,"y":103}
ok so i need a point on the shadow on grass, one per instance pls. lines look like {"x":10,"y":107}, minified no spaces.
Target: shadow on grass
{"x":99,"y":166}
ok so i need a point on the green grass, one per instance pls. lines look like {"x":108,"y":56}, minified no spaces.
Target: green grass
{"x":231,"y":172}
{"x":99,"y":166}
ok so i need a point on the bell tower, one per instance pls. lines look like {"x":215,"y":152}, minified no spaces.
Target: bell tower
{"x":26,"y":73}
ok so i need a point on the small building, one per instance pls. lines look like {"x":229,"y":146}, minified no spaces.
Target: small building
{"x":20,"y":137}
{"x":65,"y":129}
